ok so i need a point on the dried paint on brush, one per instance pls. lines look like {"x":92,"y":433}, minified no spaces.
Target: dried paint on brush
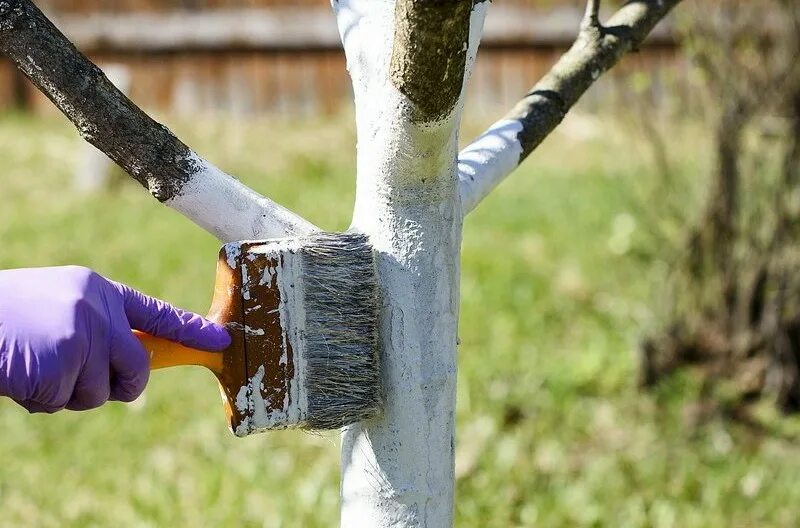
{"x":308,"y":332}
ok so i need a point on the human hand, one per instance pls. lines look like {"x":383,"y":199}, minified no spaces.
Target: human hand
{"x":66,"y":341}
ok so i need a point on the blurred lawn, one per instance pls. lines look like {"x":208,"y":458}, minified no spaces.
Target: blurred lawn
{"x":551,"y":430}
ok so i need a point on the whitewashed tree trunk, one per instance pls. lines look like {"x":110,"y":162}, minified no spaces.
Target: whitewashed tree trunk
{"x":398,"y":470}
{"x":409,"y":61}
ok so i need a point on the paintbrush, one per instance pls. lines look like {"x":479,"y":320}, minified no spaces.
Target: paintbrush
{"x":302,"y":315}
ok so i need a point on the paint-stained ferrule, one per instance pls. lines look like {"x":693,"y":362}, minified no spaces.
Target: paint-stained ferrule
{"x":307,"y":333}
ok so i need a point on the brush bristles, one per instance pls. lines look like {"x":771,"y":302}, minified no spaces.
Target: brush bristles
{"x":342,"y":376}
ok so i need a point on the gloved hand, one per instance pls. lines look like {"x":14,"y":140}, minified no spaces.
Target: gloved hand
{"x":66,"y":342}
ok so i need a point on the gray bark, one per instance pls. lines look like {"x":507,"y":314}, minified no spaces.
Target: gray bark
{"x":104,"y":117}
{"x":429,"y":54}
{"x":597,"y":49}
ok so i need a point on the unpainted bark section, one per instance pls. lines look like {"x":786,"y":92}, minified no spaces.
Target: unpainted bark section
{"x":596,"y":50}
{"x":104,"y":117}
{"x":429,"y":54}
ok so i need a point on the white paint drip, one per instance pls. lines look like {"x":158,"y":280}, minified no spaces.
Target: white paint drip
{"x":250,"y":401}
{"x":232,"y":252}
{"x":242,"y":399}
{"x":253,"y":331}
{"x":252,"y":309}
{"x":245,"y":282}
{"x":268,"y":278}
{"x":487,"y":161}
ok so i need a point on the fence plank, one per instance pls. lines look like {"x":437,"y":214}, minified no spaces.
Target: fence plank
{"x":296,"y":28}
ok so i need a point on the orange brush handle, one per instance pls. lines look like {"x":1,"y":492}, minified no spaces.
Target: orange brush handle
{"x":164,"y":353}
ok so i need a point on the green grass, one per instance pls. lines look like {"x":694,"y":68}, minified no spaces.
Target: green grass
{"x":558,"y":269}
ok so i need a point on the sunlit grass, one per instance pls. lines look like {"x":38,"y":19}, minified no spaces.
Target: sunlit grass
{"x":557,"y":269}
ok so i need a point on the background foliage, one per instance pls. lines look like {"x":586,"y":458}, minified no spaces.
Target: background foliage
{"x":558,"y":273}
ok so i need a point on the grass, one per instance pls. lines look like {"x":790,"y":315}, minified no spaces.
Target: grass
{"x":558,"y":269}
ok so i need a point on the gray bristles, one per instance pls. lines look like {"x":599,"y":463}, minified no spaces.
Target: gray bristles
{"x":343,"y":373}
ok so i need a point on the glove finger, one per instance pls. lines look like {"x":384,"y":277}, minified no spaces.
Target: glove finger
{"x":34,"y":407}
{"x":92,"y":387}
{"x":130,"y":368}
{"x":161,"y":319}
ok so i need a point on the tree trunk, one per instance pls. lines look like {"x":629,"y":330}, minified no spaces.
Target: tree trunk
{"x":398,"y":470}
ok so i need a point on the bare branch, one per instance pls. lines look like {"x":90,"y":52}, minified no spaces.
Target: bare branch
{"x":497,"y":152}
{"x":591,"y":19}
{"x":147,"y":150}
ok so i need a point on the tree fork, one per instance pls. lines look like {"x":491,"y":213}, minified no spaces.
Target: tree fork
{"x":409,"y":61}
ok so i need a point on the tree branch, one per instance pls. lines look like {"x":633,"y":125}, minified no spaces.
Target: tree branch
{"x":591,"y":19}
{"x":499,"y":150}
{"x":147,"y":150}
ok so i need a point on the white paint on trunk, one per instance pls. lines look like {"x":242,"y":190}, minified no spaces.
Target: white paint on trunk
{"x":397,"y":470}
{"x":487,"y":161}
{"x":230,"y":210}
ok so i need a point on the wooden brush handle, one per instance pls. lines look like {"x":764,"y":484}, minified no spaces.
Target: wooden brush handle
{"x":164,"y":353}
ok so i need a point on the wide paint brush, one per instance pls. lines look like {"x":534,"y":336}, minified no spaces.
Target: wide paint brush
{"x":302,"y":314}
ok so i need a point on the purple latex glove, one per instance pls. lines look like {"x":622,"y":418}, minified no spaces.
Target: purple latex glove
{"x":66,"y":342}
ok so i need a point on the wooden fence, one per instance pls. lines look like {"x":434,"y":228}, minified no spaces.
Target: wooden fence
{"x":247,"y":57}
